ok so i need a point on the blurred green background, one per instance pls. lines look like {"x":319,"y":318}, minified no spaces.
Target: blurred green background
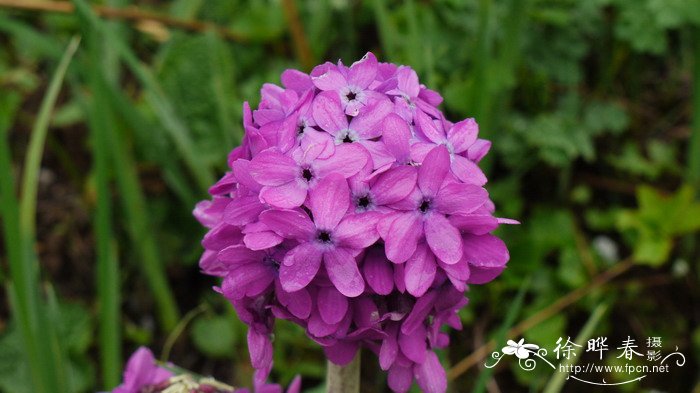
{"x":106,"y":144}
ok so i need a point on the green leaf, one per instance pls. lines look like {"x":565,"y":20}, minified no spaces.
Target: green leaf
{"x":214,"y":336}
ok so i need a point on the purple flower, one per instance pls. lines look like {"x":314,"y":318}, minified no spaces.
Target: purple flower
{"x":332,"y":237}
{"x":354,"y":209}
{"x":142,"y":371}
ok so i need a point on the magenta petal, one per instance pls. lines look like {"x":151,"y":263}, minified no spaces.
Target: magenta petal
{"x":396,"y":137}
{"x":463,"y":134}
{"x":239,"y":255}
{"x":244,"y":210}
{"x":318,"y":327}
{"x":408,"y":81}
{"x":414,"y":345}
{"x":343,"y":272}
{"x":241,"y":172}
{"x":298,"y":303}
{"x":271,"y":168}
{"x":142,"y":370}
{"x":467,"y":171}
{"x":427,"y":126}
{"x":457,"y":198}
{"x":420,"y":310}
{"x":477,"y":224}
{"x":378,"y":272}
{"x":357,"y":230}
{"x":400,"y":378}
{"x":342,"y":352}
{"x":299,"y":267}
{"x":291,"y":224}
{"x":394,"y":185}
{"x":430,"y":375}
{"x":328,"y":113}
{"x":260,"y":348}
{"x":478,"y":150}
{"x":444,"y":239}
{"x":368,"y":123}
{"x":329,"y":201}
{"x":332,"y":305}
{"x":402,"y":238}
{"x":261,"y":240}
{"x":389,"y":348}
{"x":296,"y":80}
{"x":363,"y":71}
{"x":286,"y":196}
{"x":487,"y":256}
{"x":247,"y":280}
{"x":347,"y":160}
{"x":420,"y":271}
{"x":331,"y":80}
{"x":433,"y":170}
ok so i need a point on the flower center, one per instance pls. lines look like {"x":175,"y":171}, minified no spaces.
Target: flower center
{"x":351,"y":95}
{"x":324,"y":237}
{"x":424,"y":206}
{"x":307,"y":174}
{"x":270,"y":261}
{"x":363,"y":201}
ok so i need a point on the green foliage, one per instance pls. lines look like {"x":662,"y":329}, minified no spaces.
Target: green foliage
{"x":658,"y":221}
{"x":215,"y":336}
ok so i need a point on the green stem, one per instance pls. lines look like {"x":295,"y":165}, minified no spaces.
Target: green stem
{"x":343,"y":379}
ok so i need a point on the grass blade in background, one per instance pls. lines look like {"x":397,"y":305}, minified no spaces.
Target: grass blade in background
{"x":108,"y":278}
{"x":693,"y":171}
{"x":43,"y":355}
{"x":500,"y":336}
{"x":154,"y":94}
{"x":556,"y":382}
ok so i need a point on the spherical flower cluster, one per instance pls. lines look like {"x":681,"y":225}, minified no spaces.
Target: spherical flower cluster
{"x":356,"y":210}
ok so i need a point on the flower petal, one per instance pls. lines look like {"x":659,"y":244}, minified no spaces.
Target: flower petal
{"x":260,"y":348}
{"x":394,"y":185}
{"x":402,"y":237}
{"x":444,"y":239}
{"x":368,"y":124}
{"x":396,"y":136}
{"x":237,"y":255}
{"x":243,"y":210}
{"x":347,"y":160}
{"x":487,"y":256}
{"x":329,"y":201}
{"x":357,"y":230}
{"x":430,"y":375}
{"x":343,"y":272}
{"x":399,"y":378}
{"x":467,"y":171}
{"x":363,"y":71}
{"x":271,"y":168}
{"x":463,"y":134}
{"x":420,"y":271}
{"x":433,"y":170}
{"x":298,"y":303}
{"x":428,"y":128}
{"x":458,"y":198}
{"x":332,"y":305}
{"x":330,"y":80}
{"x":477,"y":224}
{"x":291,"y":224}
{"x":328,"y":113}
{"x":342,"y":352}
{"x":299,"y":267}
{"x":296,"y":80}
{"x":286,"y":196}
{"x":414,"y":345}
{"x":389,"y":348}
{"x":378,"y":272}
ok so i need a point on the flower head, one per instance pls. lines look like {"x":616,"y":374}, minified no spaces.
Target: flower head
{"x":356,"y":210}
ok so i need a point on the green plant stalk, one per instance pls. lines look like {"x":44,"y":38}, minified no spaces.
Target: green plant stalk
{"x":509,"y":320}
{"x":693,"y":170}
{"x":154,"y":94}
{"x":139,"y":228}
{"x":108,"y":280}
{"x":556,"y":382}
{"x":44,"y":357}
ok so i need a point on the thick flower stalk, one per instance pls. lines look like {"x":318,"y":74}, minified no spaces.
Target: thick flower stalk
{"x":356,"y":210}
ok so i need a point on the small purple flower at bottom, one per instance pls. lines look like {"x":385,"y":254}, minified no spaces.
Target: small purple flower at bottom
{"x":142,"y":371}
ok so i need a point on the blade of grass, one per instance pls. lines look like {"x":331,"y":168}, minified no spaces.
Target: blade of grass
{"x":44,"y":357}
{"x":387,"y":30}
{"x":176,"y":128}
{"x":693,"y":170}
{"x":509,"y":320}
{"x":139,"y":228}
{"x":108,"y":279}
{"x":556,"y":382}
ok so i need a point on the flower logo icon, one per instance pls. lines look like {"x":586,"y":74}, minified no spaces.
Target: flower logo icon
{"x":519,"y":349}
